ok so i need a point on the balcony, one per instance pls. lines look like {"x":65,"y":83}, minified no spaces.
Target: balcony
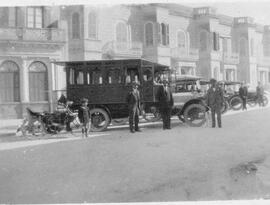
{"x":125,"y":49}
{"x":230,"y":58}
{"x":32,"y":34}
{"x":182,"y":54}
{"x":263,"y":60}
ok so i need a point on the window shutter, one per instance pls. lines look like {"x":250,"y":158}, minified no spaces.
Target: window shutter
{"x":215,"y":41}
{"x":167,"y":35}
{"x":158,"y":33}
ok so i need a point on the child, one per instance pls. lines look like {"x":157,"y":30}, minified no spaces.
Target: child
{"x":84,"y":116}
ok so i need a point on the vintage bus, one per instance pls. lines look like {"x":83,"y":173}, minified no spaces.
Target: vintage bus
{"x":106,"y":83}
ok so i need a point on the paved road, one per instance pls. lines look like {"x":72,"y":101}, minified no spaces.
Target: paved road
{"x":175,"y":165}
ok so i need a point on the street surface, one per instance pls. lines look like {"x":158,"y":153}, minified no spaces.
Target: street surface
{"x":182,"y":164}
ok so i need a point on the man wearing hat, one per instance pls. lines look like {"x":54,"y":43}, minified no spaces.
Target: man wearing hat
{"x":243,"y":92}
{"x":133,"y":101}
{"x":165,"y":99}
{"x":215,"y":99}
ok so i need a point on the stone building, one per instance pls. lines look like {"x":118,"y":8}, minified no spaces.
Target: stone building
{"x":192,"y":41}
{"x":28,"y":44}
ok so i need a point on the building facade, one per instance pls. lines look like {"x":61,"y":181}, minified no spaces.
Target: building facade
{"x":192,"y":41}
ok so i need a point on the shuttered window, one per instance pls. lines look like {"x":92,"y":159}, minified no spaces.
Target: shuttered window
{"x":215,"y":41}
{"x":149,"y":39}
{"x":38,"y":82}
{"x":75,"y":26}
{"x":92,"y":25}
{"x":35,"y":17}
{"x":9,"y":82}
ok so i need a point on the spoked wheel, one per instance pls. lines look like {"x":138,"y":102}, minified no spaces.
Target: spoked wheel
{"x":236,"y":103}
{"x":99,"y":119}
{"x":153,"y":116}
{"x":194,"y":115}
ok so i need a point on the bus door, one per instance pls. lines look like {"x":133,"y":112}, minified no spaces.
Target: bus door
{"x":147,"y":83}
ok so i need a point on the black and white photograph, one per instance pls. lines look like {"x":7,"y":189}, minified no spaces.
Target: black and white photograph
{"x":163,"y":102}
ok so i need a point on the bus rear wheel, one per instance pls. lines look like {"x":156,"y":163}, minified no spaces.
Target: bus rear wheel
{"x":100,"y":119}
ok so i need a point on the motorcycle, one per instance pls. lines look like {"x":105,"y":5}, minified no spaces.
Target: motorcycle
{"x":46,"y":122}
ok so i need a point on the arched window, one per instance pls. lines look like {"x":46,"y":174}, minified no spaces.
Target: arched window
{"x":75,"y":26}
{"x":243,"y":47}
{"x":149,"y":40}
{"x":9,"y":82}
{"x":38,"y":82}
{"x":203,"y":41}
{"x":121,"y":32}
{"x":181,"y":39}
{"x":163,"y":34}
{"x":92,"y":25}
{"x":121,"y":36}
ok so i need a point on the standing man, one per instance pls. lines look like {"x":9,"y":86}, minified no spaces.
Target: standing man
{"x":215,"y":99}
{"x":133,"y":101}
{"x":260,"y":92}
{"x":165,"y":99}
{"x":243,"y":95}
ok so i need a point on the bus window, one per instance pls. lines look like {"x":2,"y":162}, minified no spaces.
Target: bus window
{"x":89,"y":77}
{"x":132,"y":75}
{"x":97,"y":77}
{"x":79,"y":77}
{"x":71,"y":76}
{"x":75,"y":76}
{"x":147,"y":74}
{"x":114,"y":76}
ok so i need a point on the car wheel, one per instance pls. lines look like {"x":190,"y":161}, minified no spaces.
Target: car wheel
{"x":99,"y":119}
{"x":194,"y":115}
{"x":236,"y":103}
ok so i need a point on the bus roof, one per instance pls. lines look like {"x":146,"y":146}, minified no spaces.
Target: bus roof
{"x":89,"y":62}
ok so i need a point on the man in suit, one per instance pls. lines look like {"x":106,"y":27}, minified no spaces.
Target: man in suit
{"x":260,"y":93}
{"x":165,"y":99}
{"x":133,"y":101}
{"x":243,"y":95}
{"x":215,"y":99}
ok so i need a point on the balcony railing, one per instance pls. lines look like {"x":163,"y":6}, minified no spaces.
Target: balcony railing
{"x":263,"y":60}
{"x":132,"y":49}
{"x":32,"y":34}
{"x":231,"y":58}
{"x":190,"y":54}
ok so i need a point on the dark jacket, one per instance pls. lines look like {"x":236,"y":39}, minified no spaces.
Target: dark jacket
{"x":215,"y":98}
{"x":84,"y":114}
{"x":243,"y":92}
{"x":133,"y":100}
{"x":164,"y":98}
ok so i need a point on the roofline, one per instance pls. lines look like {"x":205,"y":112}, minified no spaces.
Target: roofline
{"x":139,"y":59}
